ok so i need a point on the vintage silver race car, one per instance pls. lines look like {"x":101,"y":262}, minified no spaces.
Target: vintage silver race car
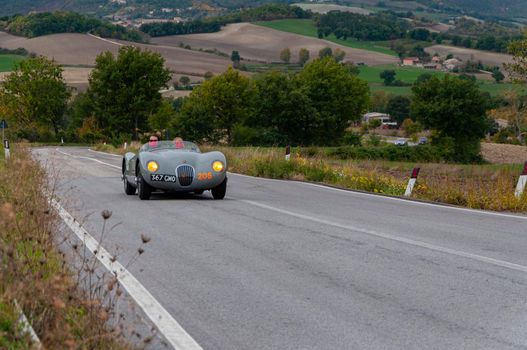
{"x":174,"y":167}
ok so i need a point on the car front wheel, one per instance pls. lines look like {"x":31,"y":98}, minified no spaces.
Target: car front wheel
{"x":128,"y":189}
{"x":143,"y":189}
{"x":219,"y":191}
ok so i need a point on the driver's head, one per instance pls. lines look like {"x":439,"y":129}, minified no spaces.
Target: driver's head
{"x":178,"y":141}
{"x":152,"y":142}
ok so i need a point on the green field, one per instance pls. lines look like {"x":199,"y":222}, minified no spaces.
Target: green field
{"x":307,"y":27}
{"x":410,"y":75}
{"x":7,"y":62}
{"x":406,"y":74}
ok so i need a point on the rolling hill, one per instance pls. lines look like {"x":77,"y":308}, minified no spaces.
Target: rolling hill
{"x":503,"y":8}
{"x":264,"y":44}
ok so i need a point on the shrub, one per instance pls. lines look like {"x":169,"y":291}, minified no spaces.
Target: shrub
{"x":352,"y":139}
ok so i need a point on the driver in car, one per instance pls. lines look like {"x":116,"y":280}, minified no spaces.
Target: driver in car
{"x":152,"y":142}
{"x":178,"y":141}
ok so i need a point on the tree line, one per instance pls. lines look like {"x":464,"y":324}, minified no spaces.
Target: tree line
{"x":380,"y":26}
{"x":45,"y":23}
{"x":214,"y":24}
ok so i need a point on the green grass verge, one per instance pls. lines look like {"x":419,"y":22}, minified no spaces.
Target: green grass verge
{"x":307,"y":27}
{"x":7,"y":62}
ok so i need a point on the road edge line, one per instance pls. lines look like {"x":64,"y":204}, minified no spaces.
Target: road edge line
{"x":409,"y":241}
{"x":158,"y":315}
{"x":106,"y":153}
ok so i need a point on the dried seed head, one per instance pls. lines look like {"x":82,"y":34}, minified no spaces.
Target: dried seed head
{"x":145,"y":238}
{"x":58,"y":303}
{"x":140,"y":251}
{"x":103,"y":315}
{"x":106,"y":214}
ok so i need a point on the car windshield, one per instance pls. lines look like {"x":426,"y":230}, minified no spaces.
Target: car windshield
{"x":184,"y":146}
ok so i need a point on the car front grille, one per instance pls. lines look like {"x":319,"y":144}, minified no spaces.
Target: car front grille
{"x":185,"y":174}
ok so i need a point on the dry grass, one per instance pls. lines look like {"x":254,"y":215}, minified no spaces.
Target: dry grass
{"x":504,"y":154}
{"x":488,"y":187}
{"x":264,"y":44}
{"x":66,"y":311}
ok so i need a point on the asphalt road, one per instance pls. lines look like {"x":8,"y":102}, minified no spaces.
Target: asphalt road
{"x":289,"y":265}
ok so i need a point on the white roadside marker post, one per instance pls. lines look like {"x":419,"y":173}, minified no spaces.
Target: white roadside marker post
{"x":522,"y":181}
{"x":288,"y":153}
{"x":62,"y":141}
{"x":7,"y":153}
{"x":125,"y":145}
{"x":411,"y":182}
{"x":3,"y":126}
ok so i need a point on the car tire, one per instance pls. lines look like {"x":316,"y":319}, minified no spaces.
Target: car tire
{"x":219,"y":191}
{"x":128,"y":189}
{"x":143,"y":189}
{"x":199,"y":191}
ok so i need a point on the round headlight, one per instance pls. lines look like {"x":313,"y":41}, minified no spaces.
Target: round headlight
{"x":152,"y":166}
{"x":217,"y":166}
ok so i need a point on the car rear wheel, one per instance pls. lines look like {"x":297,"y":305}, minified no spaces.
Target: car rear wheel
{"x":128,"y":189}
{"x":219,"y":191}
{"x":143,"y":189}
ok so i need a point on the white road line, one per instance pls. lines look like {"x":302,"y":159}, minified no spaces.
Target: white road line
{"x":380,"y":197}
{"x":105,"y":153}
{"x":409,"y":241}
{"x":165,"y":323}
{"x":90,"y":158}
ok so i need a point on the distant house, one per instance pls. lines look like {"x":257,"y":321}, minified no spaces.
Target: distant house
{"x":436,"y":59}
{"x":451,"y":63}
{"x":410,"y":61}
{"x":386,"y":119}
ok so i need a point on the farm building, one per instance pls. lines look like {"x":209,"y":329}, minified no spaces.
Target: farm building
{"x":451,"y":63}
{"x":386,"y":119}
{"x":410,"y":61}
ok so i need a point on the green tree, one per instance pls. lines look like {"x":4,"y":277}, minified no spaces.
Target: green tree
{"x":339,"y":55}
{"x":518,"y":68}
{"x":285,"y":55}
{"x":456,"y":109}
{"x":337,"y":96}
{"x":235,"y":58}
{"x":184,"y":80}
{"x":216,"y":106}
{"x":303,"y":56}
{"x":325,"y":52}
{"x":282,"y":109}
{"x":388,"y":76}
{"x":423,"y":77}
{"x":125,"y":90}
{"x":35,"y":95}
{"x":163,"y":117}
{"x":399,"y":108}
{"x":498,"y":76}
{"x":208,"y":75}
{"x":379,"y":101}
